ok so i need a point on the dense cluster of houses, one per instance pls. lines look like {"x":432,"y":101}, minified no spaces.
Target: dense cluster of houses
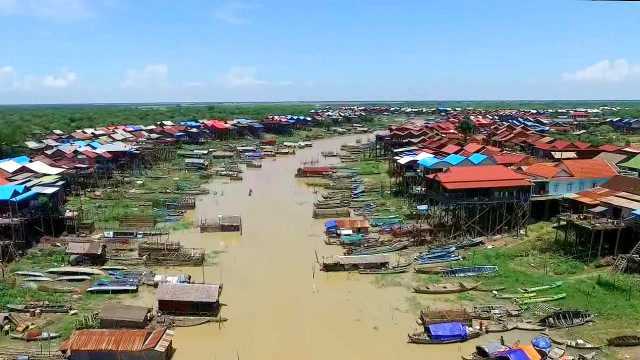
{"x":510,"y":166}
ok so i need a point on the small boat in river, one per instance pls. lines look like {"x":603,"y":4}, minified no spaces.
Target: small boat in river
{"x":444,"y":333}
{"x":385,"y":249}
{"x":470,"y":271}
{"x":625,"y":340}
{"x":566,"y":318}
{"x":444,"y":288}
{"x":436,"y":316}
{"x":399,"y":269}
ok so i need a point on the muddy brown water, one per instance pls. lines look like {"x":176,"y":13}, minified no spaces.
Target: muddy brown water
{"x":278,"y":304}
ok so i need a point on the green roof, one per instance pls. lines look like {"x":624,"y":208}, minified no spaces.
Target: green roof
{"x":634,"y":163}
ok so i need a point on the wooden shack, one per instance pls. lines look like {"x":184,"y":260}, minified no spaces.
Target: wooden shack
{"x":119,"y":344}
{"x":116,"y":316}
{"x":86,"y":252}
{"x":189,"y":299}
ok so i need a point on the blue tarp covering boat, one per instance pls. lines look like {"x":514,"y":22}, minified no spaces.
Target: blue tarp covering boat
{"x":452,"y":331}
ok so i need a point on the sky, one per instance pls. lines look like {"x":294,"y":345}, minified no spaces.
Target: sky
{"x":88,"y":51}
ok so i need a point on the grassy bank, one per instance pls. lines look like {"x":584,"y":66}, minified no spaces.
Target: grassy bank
{"x":533,"y":261}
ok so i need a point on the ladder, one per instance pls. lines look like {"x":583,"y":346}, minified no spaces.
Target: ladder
{"x":621,"y":261}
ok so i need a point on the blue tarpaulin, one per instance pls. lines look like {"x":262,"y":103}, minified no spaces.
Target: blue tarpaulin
{"x":330,"y":224}
{"x":8,"y":192}
{"x":512,"y":354}
{"x":447,"y":331}
{"x":25,"y":197}
{"x":541,"y":342}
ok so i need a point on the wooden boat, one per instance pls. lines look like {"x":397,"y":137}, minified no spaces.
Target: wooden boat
{"x":470,"y":271}
{"x":529,"y":327}
{"x":113,"y":267}
{"x":74,"y":278}
{"x":29,"y":273}
{"x":429,"y":269}
{"x":391,"y":270}
{"x":439,"y":260}
{"x":513,"y":296}
{"x":55,"y":289}
{"x":31,"y":336}
{"x":428,"y":316}
{"x":74,"y":270}
{"x":576,"y":344}
{"x":540,"y":288}
{"x":44,"y":307}
{"x":385,"y":249}
{"x":495,"y":311}
{"x":469,"y":243}
{"x":425,"y":339}
{"x":625,"y":340}
{"x":112,"y":289}
{"x":499,"y":327}
{"x":444,"y":288}
{"x":535,"y":300}
{"x":356,"y":262}
{"x":566,"y":318}
{"x":186,"y":321}
{"x":489,"y":288}
{"x":37,"y":278}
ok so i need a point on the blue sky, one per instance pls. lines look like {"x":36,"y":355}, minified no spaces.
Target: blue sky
{"x":71,"y":51}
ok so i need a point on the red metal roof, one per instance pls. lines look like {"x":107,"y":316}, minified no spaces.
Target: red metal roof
{"x":450,"y":149}
{"x":609,"y":148}
{"x":589,"y":168}
{"x":509,"y":159}
{"x":112,"y":340}
{"x":473,"y":147}
{"x":478,"y":177}
{"x":497,"y":184}
{"x":544,"y":170}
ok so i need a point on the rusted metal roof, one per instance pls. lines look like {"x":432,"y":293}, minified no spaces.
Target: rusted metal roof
{"x":352,"y":223}
{"x":188,"y":292}
{"x":112,"y":340}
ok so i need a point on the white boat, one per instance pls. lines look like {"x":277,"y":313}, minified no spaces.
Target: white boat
{"x":74,"y":270}
{"x":29,"y":273}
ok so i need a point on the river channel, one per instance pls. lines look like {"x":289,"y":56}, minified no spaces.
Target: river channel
{"x":278,"y":304}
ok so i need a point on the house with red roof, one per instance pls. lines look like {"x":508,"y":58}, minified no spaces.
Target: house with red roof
{"x":568,"y":176}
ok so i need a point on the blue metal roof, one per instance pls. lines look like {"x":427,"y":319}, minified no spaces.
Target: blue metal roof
{"x":477,"y":158}
{"x":19,"y":159}
{"x":7,"y":192}
{"x":428,"y":162}
{"x":454,"y":159}
{"x":25,"y":197}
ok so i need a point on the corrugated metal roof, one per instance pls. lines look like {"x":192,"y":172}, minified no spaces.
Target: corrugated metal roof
{"x":189,"y":292}
{"x":589,"y":168}
{"x":112,"y":340}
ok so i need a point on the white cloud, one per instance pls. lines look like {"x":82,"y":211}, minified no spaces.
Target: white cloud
{"x":153,"y":75}
{"x":234,"y":13}
{"x":63,"y":80}
{"x":60,"y":10}
{"x":246,"y":76}
{"x":241,"y":76}
{"x":605,"y":71}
